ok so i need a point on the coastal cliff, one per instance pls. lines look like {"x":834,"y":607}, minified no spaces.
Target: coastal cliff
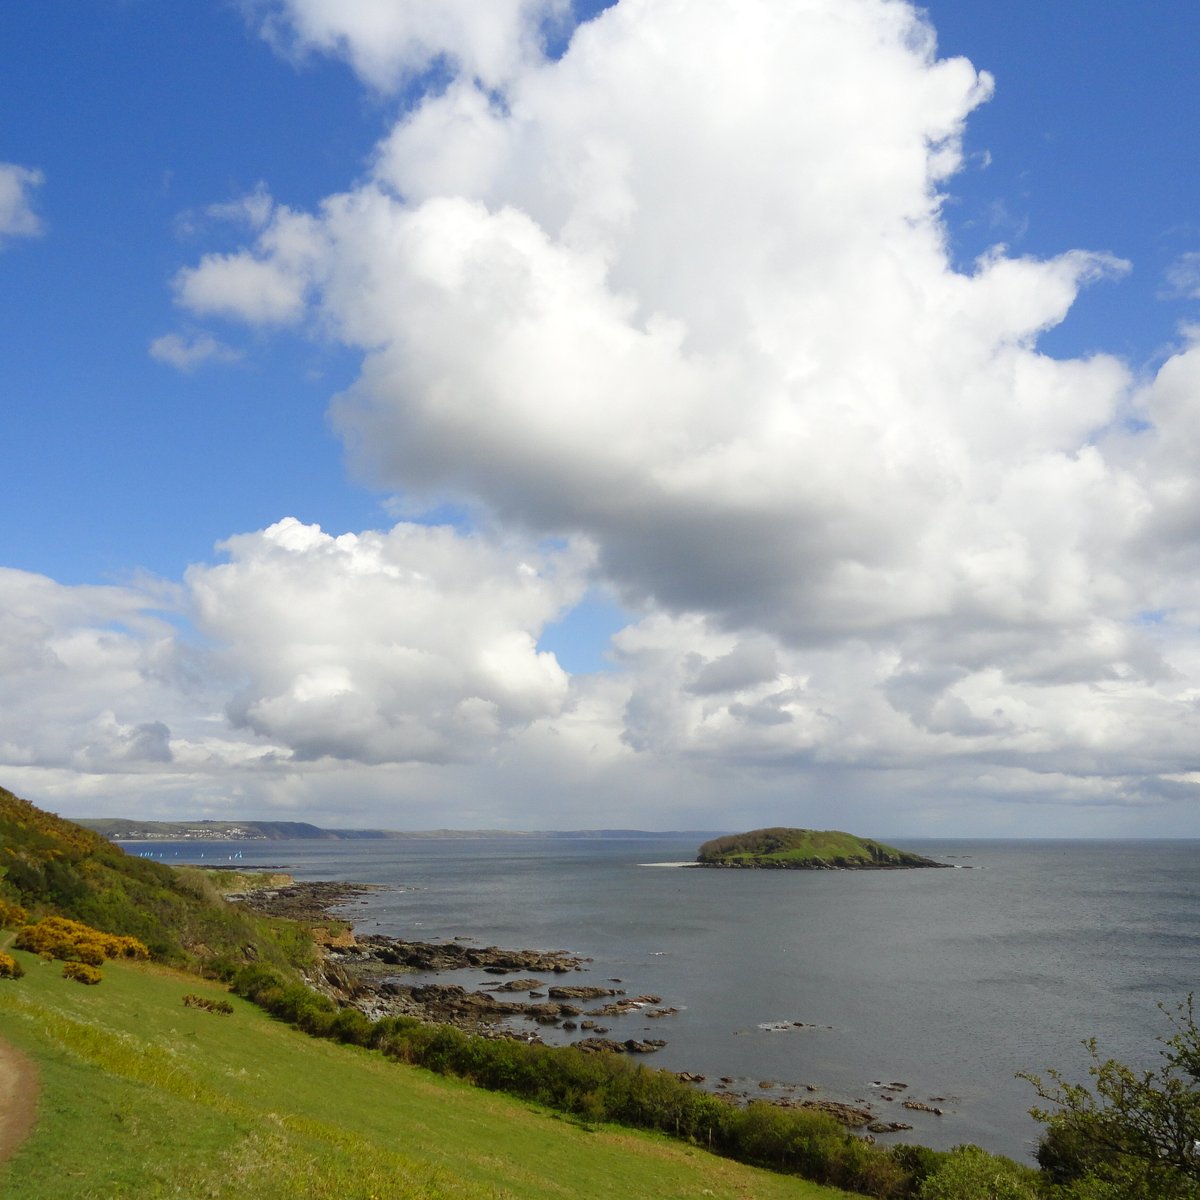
{"x":807,"y":850}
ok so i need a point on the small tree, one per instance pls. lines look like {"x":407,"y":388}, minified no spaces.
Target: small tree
{"x":1130,"y":1135}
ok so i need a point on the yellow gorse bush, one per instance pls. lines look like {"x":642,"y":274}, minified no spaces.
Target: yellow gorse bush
{"x":80,"y":972}
{"x":57,"y":937}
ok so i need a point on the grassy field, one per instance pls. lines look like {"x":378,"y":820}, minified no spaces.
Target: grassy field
{"x":142,"y":1097}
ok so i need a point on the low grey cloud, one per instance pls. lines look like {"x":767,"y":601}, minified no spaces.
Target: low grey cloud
{"x":748,"y":663}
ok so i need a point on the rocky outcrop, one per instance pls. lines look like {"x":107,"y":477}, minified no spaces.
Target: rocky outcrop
{"x":301,"y":901}
{"x":850,"y":1115}
{"x":621,"y":1008}
{"x":581,"y":993}
{"x":920,"y":1106}
{"x":596,"y":1045}
{"x":454,"y":956}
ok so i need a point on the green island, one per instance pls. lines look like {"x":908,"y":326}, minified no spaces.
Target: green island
{"x":158,"y":1039}
{"x":807,"y":850}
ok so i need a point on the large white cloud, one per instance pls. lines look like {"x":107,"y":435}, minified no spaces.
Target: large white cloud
{"x":686,"y":291}
{"x":413,"y":645}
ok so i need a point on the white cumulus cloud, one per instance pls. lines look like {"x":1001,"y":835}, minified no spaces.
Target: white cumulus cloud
{"x":387,"y":43}
{"x":417,"y":644}
{"x":268,"y":285}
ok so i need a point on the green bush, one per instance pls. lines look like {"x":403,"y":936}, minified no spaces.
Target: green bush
{"x":1130,"y":1133}
{"x":969,"y":1173}
{"x":916,"y":1162}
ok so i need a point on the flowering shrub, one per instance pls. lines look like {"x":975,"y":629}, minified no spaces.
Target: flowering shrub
{"x":11,"y":915}
{"x":80,"y":972}
{"x":10,"y":968}
{"x":56,"y":937}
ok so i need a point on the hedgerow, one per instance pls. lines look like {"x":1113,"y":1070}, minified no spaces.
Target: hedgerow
{"x":608,"y":1088}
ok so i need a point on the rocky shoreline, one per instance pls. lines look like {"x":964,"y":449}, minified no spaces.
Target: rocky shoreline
{"x":366,"y":972}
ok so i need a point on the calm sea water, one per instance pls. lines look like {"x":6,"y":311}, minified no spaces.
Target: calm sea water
{"x":949,"y":981}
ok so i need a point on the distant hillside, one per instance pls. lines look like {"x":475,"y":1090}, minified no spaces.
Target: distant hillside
{"x":807,"y":850}
{"x":49,"y":865}
{"x":126,"y":829}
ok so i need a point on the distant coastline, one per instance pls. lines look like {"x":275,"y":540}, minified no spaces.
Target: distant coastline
{"x":124,"y":829}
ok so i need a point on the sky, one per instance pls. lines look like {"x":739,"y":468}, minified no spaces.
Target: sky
{"x":665,"y":414}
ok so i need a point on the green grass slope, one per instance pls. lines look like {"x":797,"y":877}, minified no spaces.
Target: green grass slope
{"x":806,"y":849}
{"x":144,"y":1097}
{"x":52,"y":866}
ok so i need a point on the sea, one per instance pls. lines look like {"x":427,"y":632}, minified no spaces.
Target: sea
{"x":811,"y":985}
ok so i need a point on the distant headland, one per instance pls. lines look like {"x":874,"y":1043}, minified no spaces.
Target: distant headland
{"x":807,"y":850}
{"x":124,"y":829}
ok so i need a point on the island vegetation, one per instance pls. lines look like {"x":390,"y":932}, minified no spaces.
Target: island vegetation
{"x":199,"y":1024}
{"x":807,"y":850}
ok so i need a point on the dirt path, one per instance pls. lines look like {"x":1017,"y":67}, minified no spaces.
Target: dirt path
{"x":18,"y":1098}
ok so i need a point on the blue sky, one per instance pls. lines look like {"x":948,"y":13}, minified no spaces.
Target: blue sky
{"x":153,"y":411}
{"x":1088,"y":138}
